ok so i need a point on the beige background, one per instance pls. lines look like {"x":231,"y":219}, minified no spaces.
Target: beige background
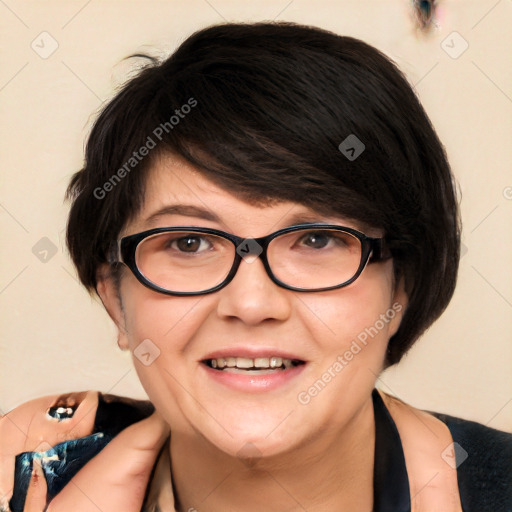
{"x":54,"y":338}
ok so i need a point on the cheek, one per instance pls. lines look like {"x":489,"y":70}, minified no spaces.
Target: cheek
{"x":168,"y":321}
{"x":362,"y":313}
{"x":350,"y":328}
{"x":159,"y":330}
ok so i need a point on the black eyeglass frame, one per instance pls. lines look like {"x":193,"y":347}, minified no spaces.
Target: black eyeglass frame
{"x":372,"y":249}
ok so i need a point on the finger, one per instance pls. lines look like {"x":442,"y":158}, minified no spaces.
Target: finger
{"x":117,"y":477}
{"x":29,"y":428}
{"x":35,"y":500}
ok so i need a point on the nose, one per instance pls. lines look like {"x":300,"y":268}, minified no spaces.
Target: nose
{"x":253,"y":297}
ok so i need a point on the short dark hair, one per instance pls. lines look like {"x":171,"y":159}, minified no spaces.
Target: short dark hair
{"x":268,"y":106}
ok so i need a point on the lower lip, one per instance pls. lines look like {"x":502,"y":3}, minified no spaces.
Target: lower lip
{"x":253,"y":383}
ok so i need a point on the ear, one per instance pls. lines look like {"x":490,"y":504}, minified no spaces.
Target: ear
{"x":110,"y":296}
{"x":400,"y":301}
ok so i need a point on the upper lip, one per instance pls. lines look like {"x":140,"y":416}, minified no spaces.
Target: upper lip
{"x":251,"y":353}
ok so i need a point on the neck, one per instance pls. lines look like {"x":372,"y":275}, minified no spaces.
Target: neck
{"x":332,"y":472}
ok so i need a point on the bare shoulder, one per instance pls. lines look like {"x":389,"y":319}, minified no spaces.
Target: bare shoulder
{"x":419,"y":430}
{"x":426,"y":442}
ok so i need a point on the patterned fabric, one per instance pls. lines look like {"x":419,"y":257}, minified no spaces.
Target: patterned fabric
{"x":482,"y":455}
{"x":60,"y":464}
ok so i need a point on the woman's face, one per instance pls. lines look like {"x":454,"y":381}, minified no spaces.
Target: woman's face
{"x":341,"y":335}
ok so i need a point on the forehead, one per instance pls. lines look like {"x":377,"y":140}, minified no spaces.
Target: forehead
{"x":177,"y":193}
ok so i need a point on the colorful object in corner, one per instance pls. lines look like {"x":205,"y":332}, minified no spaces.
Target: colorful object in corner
{"x":59,"y":464}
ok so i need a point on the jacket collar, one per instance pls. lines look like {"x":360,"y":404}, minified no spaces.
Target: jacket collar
{"x":391,"y":483}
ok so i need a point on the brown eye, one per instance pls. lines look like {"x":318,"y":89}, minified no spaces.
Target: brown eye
{"x":316,"y":240}
{"x":188,"y":243}
{"x":325,"y":239}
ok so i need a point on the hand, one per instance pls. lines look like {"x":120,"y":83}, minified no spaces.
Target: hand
{"x":27,"y":428}
{"x":114,"y":480}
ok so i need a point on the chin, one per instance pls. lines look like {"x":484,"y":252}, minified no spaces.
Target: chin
{"x":254,"y":435}
{"x":252,"y":448}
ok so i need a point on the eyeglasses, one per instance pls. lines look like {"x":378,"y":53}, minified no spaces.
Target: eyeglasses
{"x":194,"y":260}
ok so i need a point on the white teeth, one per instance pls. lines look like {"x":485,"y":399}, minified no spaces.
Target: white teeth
{"x":242,"y":362}
{"x":262,"y":362}
{"x":275,"y":362}
{"x":247,"y":364}
{"x":262,"y":371}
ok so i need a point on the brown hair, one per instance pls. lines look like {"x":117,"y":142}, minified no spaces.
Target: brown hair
{"x":261,"y":110}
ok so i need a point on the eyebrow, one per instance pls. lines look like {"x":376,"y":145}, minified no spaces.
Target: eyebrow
{"x":306,"y":218}
{"x":189,"y":210}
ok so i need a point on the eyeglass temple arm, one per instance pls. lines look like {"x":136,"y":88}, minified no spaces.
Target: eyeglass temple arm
{"x":380,"y":250}
{"x":114,"y":252}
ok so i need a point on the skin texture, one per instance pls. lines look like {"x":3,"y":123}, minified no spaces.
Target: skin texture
{"x":425,"y":440}
{"x":215,"y":427}
{"x":233,"y":450}
{"x":114,"y":480}
{"x":27,"y":429}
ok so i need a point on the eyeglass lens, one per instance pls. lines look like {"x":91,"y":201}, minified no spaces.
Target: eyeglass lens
{"x":184,"y":261}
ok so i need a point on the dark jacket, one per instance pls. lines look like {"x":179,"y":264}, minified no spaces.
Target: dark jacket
{"x":482,"y":456}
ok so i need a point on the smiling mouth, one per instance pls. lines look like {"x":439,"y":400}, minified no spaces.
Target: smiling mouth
{"x":257,"y":366}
